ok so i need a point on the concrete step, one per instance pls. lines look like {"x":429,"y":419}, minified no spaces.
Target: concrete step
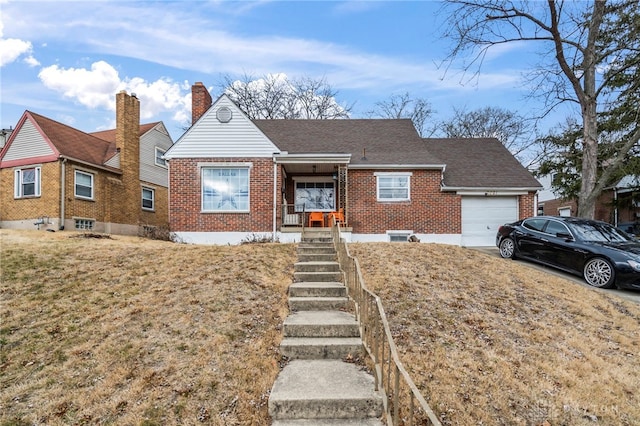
{"x":317,"y":289}
{"x":303,"y":246}
{"x":317,"y":277}
{"x":316,"y":266}
{"x":320,"y":324}
{"x":317,"y":257}
{"x":320,"y":347}
{"x":318,"y":303}
{"x":318,"y":239}
{"x":324,"y":389}
{"x":329,"y":422}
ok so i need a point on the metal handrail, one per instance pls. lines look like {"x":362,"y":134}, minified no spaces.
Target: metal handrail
{"x":403,"y":402}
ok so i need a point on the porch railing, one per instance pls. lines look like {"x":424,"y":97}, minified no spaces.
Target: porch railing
{"x":403,"y":402}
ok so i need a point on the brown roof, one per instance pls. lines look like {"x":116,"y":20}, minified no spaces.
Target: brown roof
{"x":480,"y":163}
{"x":110,"y":135}
{"x":94,"y":148}
{"x":379,"y":141}
{"x":73,"y":143}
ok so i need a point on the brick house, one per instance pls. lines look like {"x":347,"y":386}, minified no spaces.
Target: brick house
{"x":231,"y":177}
{"x":55,"y":177}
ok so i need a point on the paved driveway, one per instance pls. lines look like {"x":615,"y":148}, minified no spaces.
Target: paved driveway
{"x":632,"y":295}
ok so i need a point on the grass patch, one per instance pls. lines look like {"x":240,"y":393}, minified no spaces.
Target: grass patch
{"x":491,"y":341}
{"x":126,"y":330}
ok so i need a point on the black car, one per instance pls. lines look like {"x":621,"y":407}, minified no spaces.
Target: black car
{"x":601,"y":253}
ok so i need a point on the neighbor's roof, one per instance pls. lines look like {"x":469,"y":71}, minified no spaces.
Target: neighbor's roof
{"x":74,"y":143}
{"x":110,"y":135}
{"x":369,"y":141}
{"x":480,"y":163}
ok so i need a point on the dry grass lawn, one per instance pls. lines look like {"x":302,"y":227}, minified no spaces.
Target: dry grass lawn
{"x":494,"y":342}
{"x":127,"y":331}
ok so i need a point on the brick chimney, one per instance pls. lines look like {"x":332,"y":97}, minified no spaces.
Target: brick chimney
{"x":200,"y":101}
{"x":128,"y":142}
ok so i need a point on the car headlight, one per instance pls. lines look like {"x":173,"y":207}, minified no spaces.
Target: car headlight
{"x":634,"y":264}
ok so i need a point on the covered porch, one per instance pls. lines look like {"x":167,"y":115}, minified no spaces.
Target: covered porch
{"x":314,"y":191}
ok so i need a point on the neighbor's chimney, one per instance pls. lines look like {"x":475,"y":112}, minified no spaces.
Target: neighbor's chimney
{"x":128,"y":142}
{"x":200,"y":101}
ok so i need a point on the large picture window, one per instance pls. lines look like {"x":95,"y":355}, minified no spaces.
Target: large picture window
{"x":84,"y":185}
{"x":393,"y":186}
{"x":27,"y":182}
{"x":225,"y":189}
{"x":315,"y":196}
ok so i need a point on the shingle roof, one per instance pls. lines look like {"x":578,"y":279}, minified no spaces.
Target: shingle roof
{"x":480,"y":163}
{"x":94,"y":148}
{"x":110,"y":135}
{"x":74,"y":143}
{"x":380,"y":141}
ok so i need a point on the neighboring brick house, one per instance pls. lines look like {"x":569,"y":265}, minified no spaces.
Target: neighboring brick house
{"x":55,"y":177}
{"x":232,"y":178}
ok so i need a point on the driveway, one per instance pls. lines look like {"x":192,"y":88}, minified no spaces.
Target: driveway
{"x":632,"y":295}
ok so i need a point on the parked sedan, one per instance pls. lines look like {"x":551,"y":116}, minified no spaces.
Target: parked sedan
{"x":604,"y":255}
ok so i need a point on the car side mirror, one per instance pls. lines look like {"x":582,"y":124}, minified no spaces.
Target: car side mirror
{"x":567,"y":236}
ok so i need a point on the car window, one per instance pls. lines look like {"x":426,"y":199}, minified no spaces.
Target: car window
{"x":599,"y":232}
{"x":554,"y":228}
{"x":535,"y":224}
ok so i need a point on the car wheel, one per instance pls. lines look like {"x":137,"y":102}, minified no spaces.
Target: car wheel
{"x":598,"y":272}
{"x":508,"y":248}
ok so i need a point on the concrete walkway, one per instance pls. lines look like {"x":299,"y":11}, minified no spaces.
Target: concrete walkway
{"x":317,"y":387}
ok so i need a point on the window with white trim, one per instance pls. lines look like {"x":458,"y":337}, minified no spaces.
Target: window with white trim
{"x":27,"y":182}
{"x":148,"y":198}
{"x":159,"y":160}
{"x":83,"y":187}
{"x":225,"y":189}
{"x":393,"y":186}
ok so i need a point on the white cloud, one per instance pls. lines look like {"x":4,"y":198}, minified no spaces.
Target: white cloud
{"x":96,"y":88}
{"x":31,"y":61}
{"x":11,"y":49}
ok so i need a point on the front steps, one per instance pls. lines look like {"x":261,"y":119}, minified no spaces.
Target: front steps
{"x":316,"y":387}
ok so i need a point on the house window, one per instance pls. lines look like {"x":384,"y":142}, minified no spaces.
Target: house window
{"x":315,"y":196}
{"x":27,"y":182}
{"x":159,"y":160}
{"x":148,"y":198}
{"x":84,"y":185}
{"x":225,"y":189}
{"x":393,"y":186}
{"x":84,"y":224}
{"x":399,"y":236}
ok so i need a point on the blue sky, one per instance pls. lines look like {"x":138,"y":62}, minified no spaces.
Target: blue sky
{"x":67,"y":60}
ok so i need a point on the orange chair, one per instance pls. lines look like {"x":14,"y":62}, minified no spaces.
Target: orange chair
{"x":338,"y":216}
{"x":316,"y":217}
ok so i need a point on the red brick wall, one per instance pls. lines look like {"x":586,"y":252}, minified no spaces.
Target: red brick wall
{"x":200,"y":101}
{"x":526,"y":205}
{"x":185,"y":198}
{"x":429,"y":211}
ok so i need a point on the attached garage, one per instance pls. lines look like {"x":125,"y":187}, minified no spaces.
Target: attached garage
{"x":481,"y":217}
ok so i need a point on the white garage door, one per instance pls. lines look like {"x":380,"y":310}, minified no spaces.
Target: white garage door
{"x":481,"y":217}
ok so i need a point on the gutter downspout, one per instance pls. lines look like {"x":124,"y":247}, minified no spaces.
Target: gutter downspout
{"x":615,"y":210}
{"x":63,"y":172}
{"x":275,"y":198}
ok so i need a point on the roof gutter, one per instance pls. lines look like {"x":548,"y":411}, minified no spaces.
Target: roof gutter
{"x":489,"y":192}
{"x":86,"y":163}
{"x":398,"y":166}
{"x":286,"y":158}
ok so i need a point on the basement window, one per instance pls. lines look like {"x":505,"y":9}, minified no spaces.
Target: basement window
{"x":399,"y":236}
{"x":85,"y":224}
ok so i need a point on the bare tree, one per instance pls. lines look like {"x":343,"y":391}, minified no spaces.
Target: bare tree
{"x":403,"y":106}
{"x":514,"y":131}
{"x":581,"y":39}
{"x":275,"y":96}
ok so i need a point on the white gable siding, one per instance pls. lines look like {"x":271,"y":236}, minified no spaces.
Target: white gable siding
{"x":114,"y":161}
{"x":211,"y":138}
{"x":28,"y":143}
{"x":149,"y":171}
